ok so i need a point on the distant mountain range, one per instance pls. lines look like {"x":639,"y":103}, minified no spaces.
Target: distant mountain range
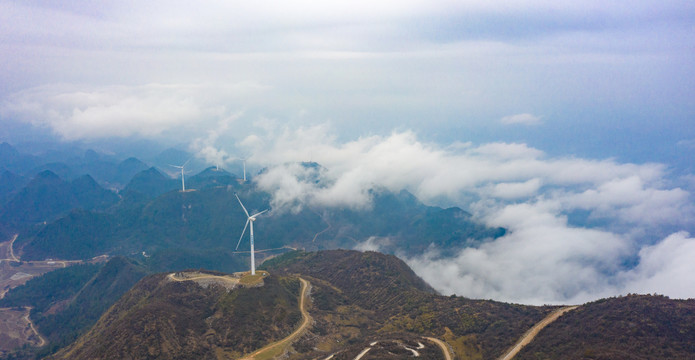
{"x":47,"y":196}
{"x":80,"y":219}
{"x":145,"y":219}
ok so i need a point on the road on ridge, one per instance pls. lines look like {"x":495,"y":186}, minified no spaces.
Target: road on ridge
{"x":173,"y":277}
{"x":531,"y":334}
{"x":278,"y":347}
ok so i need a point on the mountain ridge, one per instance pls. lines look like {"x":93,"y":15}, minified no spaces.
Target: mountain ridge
{"x":359,"y":299}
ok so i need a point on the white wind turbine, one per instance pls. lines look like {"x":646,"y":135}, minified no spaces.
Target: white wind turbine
{"x":249,"y":219}
{"x":183,"y":183}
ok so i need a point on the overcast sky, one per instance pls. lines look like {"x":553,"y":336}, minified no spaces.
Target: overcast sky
{"x":535,"y":108}
{"x":595,"y":78}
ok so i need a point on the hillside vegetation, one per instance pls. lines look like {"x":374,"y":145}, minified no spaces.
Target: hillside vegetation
{"x":363,"y":295}
{"x":628,"y":327}
{"x":161,"y":319}
{"x":356,"y":298}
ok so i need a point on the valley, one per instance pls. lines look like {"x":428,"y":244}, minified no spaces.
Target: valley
{"x":17,"y":329}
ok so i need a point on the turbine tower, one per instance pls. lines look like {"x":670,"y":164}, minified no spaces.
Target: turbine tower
{"x":183,"y":183}
{"x":249,"y":219}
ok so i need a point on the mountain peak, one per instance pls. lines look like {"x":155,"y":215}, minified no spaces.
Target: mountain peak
{"x":85,"y":180}
{"x":7,"y":150}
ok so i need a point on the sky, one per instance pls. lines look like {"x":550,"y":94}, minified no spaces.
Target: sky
{"x":568,"y":122}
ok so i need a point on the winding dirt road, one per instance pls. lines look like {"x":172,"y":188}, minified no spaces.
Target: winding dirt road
{"x":322,"y":231}
{"x":14,"y":258}
{"x":531,"y":334}
{"x":277,"y":348}
{"x":442,"y":345}
{"x":234,"y":281}
{"x":42,"y":342}
{"x":10,"y":251}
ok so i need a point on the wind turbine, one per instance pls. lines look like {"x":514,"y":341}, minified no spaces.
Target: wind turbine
{"x":249,"y":219}
{"x":183,"y":183}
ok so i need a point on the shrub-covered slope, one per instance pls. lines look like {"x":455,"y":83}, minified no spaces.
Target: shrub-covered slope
{"x":379,"y":294}
{"x":164,"y":319}
{"x":628,"y":327}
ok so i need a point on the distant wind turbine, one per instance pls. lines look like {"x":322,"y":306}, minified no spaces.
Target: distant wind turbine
{"x":249,"y":219}
{"x":183,"y":183}
{"x":243,"y":161}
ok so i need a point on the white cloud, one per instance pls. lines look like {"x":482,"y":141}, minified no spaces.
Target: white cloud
{"x":516,"y":190}
{"x":153,"y":110}
{"x":207,"y":146}
{"x":542,"y":260}
{"x":522,"y":119}
{"x":373,"y":243}
{"x":632,"y":201}
{"x":666,"y":268}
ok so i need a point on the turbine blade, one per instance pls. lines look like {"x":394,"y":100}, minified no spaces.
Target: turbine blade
{"x":176,"y":166}
{"x":184,"y":164}
{"x":256,"y":214}
{"x":242,"y":205}
{"x":242,"y":234}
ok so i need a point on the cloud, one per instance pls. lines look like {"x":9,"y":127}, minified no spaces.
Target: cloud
{"x":152,"y":110}
{"x":552,"y":263}
{"x":687,"y":144}
{"x":521,"y":119}
{"x":207,"y":146}
{"x":666,"y":267}
{"x":494,"y":171}
{"x":373,"y":243}
{"x":516,"y":190}
{"x":544,"y":258}
{"x":630,"y":200}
